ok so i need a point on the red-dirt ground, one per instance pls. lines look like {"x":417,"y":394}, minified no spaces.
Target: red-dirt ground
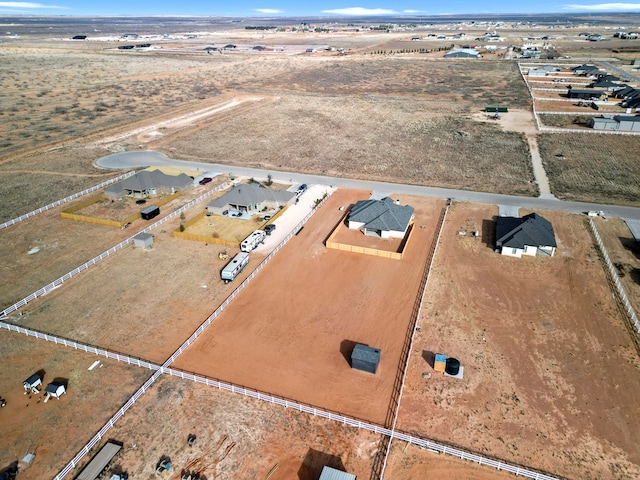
{"x":291,"y":331}
{"x":55,"y":431}
{"x":551,"y":376}
{"x":409,"y":462}
{"x":256,"y":436}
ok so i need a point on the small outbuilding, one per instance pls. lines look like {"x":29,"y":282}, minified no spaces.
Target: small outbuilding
{"x":150,"y":212}
{"x":32,"y":383}
{"x":143,"y":240}
{"x":365,"y":358}
{"x":55,"y":390}
{"x":329,"y":473}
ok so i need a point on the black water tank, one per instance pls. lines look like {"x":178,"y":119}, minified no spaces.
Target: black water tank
{"x":452,"y":366}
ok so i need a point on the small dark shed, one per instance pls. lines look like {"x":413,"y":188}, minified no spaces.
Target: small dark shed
{"x":150,"y":212}
{"x":365,"y":358}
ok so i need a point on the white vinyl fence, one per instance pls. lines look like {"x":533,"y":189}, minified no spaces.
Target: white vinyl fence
{"x":80,"y":346}
{"x":616,"y":279}
{"x":353,"y":422}
{"x":65,"y":200}
{"x":164,"y":368}
{"x":59,"y":281}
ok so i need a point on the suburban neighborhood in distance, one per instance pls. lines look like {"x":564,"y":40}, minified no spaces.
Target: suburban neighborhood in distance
{"x":320,"y":248}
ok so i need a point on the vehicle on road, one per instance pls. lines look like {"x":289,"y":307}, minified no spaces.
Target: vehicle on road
{"x":205,"y":180}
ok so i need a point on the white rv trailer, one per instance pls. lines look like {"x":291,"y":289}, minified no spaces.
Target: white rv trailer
{"x":253,"y":240}
{"x":234,"y":267}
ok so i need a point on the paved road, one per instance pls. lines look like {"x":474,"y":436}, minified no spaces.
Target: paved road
{"x":620,"y":71}
{"x":128,"y":160}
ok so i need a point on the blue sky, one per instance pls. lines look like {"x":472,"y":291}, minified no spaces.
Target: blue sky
{"x":340,"y":8}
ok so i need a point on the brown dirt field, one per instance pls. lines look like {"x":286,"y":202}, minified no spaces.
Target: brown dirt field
{"x":95,"y":308}
{"x":597,"y":168}
{"x":571,"y":107}
{"x":57,"y":430}
{"x":408,"y":462}
{"x":355,"y":237}
{"x":624,"y":252}
{"x":295,"y":339}
{"x":263,"y":435}
{"x":551,"y":376}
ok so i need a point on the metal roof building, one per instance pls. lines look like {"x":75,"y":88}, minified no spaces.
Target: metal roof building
{"x":365,"y":358}
{"x":381,"y":218}
{"x":100,"y":462}
{"x":329,"y":473}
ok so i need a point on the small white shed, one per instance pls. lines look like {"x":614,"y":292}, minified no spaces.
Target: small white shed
{"x":55,"y":390}
{"x":143,"y":240}
{"x":32,"y":383}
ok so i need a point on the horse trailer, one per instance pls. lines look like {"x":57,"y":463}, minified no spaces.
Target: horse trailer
{"x":234,"y":267}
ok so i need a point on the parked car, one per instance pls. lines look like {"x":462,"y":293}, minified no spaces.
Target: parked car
{"x":302,"y":187}
{"x":205,"y":180}
{"x":269,"y":228}
{"x":266,"y":217}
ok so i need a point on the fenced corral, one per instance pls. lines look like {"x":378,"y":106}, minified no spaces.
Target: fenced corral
{"x":620,"y":293}
{"x":59,"y":281}
{"x":165,"y":366}
{"x":71,"y":213}
{"x":65,"y":200}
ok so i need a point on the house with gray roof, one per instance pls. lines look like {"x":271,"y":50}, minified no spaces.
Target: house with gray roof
{"x":148,"y":184}
{"x":381,"y":218}
{"x":529,"y":235}
{"x":252,"y":198}
{"x":463,"y":53}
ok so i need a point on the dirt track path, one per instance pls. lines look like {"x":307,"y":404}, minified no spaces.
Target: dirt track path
{"x":522,"y":121}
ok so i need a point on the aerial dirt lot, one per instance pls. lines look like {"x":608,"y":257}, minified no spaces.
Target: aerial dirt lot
{"x":295,"y":340}
{"x":59,"y":245}
{"x":551,"y":376}
{"x":255,"y":436}
{"x":409,"y":462}
{"x":55,"y":431}
{"x":144,"y":303}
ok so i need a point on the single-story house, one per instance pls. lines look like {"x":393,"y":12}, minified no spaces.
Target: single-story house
{"x":55,"y":390}
{"x":463,"y":53}
{"x":381,"y":218}
{"x":146,"y":184}
{"x":540,"y":71}
{"x":585,"y":94}
{"x":625,"y":123}
{"x":586,"y":70}
{"x":250,"y":198}
{"x":529,"y":235}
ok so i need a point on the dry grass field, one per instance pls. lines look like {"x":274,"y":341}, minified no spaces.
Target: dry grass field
{"x":597,"y":168}
{"x":551,"y":375}
{"x":333,"y":135}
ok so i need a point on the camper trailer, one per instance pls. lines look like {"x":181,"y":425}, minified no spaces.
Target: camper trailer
{"x":253,"y":240}
{"x":234,"y":267}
